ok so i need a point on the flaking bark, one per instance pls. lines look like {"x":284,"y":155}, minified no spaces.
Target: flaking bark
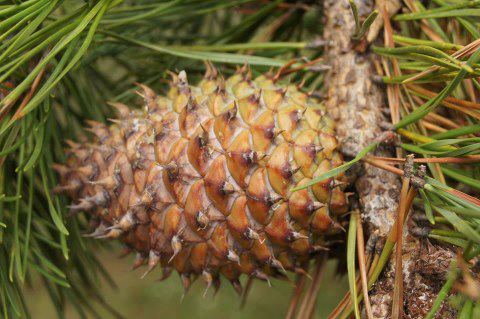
{"x":357,"y":105}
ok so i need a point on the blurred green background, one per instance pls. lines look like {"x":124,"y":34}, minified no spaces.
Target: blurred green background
{"x":148,"y":298}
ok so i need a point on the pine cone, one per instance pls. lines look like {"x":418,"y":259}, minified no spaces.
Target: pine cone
{"x":201,"y":180}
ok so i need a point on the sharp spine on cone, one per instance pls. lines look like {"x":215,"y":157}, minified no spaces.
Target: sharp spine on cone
{"x":199,"y":181}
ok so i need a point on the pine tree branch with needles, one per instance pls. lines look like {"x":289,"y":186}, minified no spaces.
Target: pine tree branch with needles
{"x":400,"y":83}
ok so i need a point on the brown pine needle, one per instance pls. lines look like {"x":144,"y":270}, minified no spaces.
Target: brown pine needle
{"x":449,"y":160}
{"x":380,"y":260}
{"x":397,"y":308}
{"x":246,"y":292}
{"x":374,"y":263}
{"x":371,"y":262}
{"x":18,"y":114}
{"x":25,"y":101}
{"x":285,"y":70}
{"x":448,"y":100}
{"x":393,"y":91}
{"x":310,"y":299}
{"x":36,"y":82}
{"x":362,"y":266}
{"x":345,"y":302}
{"x":398,"y":171}
{"x":383,"y":165}
{"x":297,"y":292}
{"x":465,"y":51}
{"x":425,"y":23}
{"x":317,"y":279}
{"x":434,"y":117}
{"x":432,"y":127}
{"x":462,"y":195}
{"x":340,"y":307}
{"x":470,"y":89}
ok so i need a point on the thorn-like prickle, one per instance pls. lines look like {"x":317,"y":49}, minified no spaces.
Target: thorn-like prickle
{"x":303,"y":272}
{"x":122,"y":110}
{"x":277,"y":264}
{"x":232,"y":256}
{"x":317,"y":248}
{"x":99,"y":199}
{"x":296,"y":235}
{"x":262,"y":276}
{"x":317,"y":149}
{"x":315,"y":206}
{"x":237,"y":286}
{"x":72,"y":144}
{"x":125,"y":252}
{"x":61,"y":169}
{"x":73,"y":185}
{"x":87,"y":170}
{"x":208,"y":281}
{"x":227,"y":188}
{"x":99,"y":231}
{"x":186,"y":282}
{"x":251,"y":234}
{"x":127,"y":221}
{"x":153,"y":260}
{"x":98,"y":129}
{"x":337,"y":183}
{"x":83,"y":206}
{"x":166,"y":272}
{"x":202,"y":220}
{"x":176,"y":246}
{"x":111,"y":234}
{"x":109,"y":182}
{"x":139,"y":260}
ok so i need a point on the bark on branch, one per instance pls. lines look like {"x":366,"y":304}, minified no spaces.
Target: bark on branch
{"x":357,"y":104}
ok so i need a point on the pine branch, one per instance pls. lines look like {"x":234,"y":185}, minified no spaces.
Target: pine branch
{"x":56,"y":59}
